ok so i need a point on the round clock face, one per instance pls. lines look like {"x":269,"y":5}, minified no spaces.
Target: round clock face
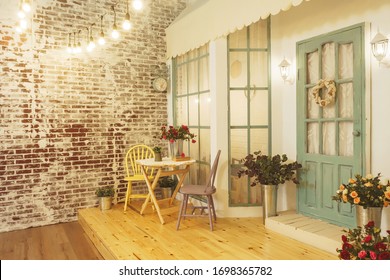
{"x":160,"y":84}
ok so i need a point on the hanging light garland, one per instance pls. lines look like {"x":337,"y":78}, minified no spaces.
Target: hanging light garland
{"x":23,"y":11}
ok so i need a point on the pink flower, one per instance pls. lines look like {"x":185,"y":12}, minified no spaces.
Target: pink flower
{"x":384,"y":256}
{"x":345,"y":255}
{"x":362,"y":254}
{"x":344,"y":238}
{"x":193,"y":141}
{"x":370,"y":224}
{"x":172,"y":140}
{"x":372,"y":255}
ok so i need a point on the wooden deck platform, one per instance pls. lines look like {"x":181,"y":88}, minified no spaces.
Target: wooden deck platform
{"x":131,"y":236}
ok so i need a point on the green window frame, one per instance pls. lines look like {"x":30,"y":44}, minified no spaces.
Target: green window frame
{"x":248,"y":49}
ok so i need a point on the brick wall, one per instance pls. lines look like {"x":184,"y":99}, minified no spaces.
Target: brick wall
{"x":67,"y":120}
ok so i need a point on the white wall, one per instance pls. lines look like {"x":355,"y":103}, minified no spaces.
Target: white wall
{"x":315,"y":18}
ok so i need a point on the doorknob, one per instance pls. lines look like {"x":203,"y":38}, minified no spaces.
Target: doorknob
{"x":356,"y":133}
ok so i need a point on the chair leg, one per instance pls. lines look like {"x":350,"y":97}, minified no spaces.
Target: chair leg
{"x":182,"y":207}
{"x":209,"y":201}
{"x":213,"y":208}
{"x":128,"y":191}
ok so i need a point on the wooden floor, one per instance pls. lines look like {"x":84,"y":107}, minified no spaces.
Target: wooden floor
{"x":130,"y":236}
{"x":65,"y":241}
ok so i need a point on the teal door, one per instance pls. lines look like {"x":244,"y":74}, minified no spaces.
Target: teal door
{"x":330,"y":137}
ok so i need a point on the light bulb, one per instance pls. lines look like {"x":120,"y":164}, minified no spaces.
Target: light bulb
{"x":101,"y":40}
{"x":23,"y":24}
{"x":91,"y":45}
{"x":126,"y":25}
{"x":69,"y":49}
{"x":115,"y":34}
{"x":26,"y":7}
{"x":137,"y":5}
{"x":21,"y":14}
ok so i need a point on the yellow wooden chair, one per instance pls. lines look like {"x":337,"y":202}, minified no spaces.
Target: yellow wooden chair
{"x":134,"y":172}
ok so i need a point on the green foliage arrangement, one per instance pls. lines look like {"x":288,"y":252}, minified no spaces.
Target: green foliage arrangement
{"x":157,"y":149}
{"x":167,"y":182}
{"x":105,"y":191}
{"x":269,"y":170}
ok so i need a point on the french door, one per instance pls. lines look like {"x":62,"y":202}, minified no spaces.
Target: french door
{"x":331,"y":137}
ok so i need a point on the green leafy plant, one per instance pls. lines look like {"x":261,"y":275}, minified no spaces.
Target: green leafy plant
{"x":364,"y":191}
{"x":269,"y":170}
{"x":167,"y":182}
{"x":157,"y":149}
{"x":105,"y":191}
{"x":365,"y":244}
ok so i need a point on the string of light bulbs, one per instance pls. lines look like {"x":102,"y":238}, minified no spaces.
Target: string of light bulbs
{"x":74,"y":41}
{"x":24,"y":11}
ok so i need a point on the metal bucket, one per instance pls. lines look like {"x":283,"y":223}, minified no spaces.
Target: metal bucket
{"x":105,"y":203}
{"x":363,"y":216}
{"x":166,"y":192}
{"x":269,"y":194}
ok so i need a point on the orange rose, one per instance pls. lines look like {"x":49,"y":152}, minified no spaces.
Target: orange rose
{"x":345,"y":198}
{"x":356,"y":200}
{"x":368,"y":184}
{"x":352,"y":181}
{"x":385,"y":203}
{"x":353,"y":194}
{"x":387,"y":195}
{"x":342,"y":187}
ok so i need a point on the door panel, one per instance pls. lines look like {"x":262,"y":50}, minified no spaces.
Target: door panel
{"x":330,"y":138}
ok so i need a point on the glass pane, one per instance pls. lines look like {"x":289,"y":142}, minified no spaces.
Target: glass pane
{"x":194,"y":147}
{"x":259,"y":140}
{"x":204,"y":173}
{"x":238,"y":39}
{"x":239,"y":190}
{"x":345,"y":99}
{"x":205,"y":109}
{"x":329,"y":138}
{"x":238,"y":69}
{"x":329,"y":111}
{"x":193,"y":110}
{"x":312,"y":67}
{"x":255,"y":194}
{"x":259,"y":107}
{"x":258,"y":69}
{"x":313,"y":110}
{"x":346,"y":139}
{"x":346,"y":61}
{"x":238,"y":108}
{"x":193,"y":77}
{"x":204,"y":138}
{"x":181,"y":80}
{"x":192,"y":54}
{"x":193,"y":176}
{"x":312,"y":138}
{"x":239,"y":144}
{"x":258,"y":34}
{"x":328,"y":61}
{"x":181,"y":110}
{"x":204,"y":74}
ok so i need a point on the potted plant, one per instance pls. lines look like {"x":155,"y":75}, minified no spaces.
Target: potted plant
{"x":167,"y":185}
{"x":269,"y":172}
{"x":157,"y":153}
{"x":369,"y":196}
{"x":105,"y":195}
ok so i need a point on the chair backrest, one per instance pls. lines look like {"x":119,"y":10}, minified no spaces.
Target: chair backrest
{"x":213,"y":172}
{"x":135,"y":153}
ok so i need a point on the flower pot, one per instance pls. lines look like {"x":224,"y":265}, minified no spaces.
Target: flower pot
{"x":166,"y":192}
{"x":157,"y":157}
{"x":176,"y":148}
{"x":105,"y":202}
{"x":363,"y":216}
{"x":269,"y":194}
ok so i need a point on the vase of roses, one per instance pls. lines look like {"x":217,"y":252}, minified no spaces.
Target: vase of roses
{"x":368,"y":194}
{"x":365,"y":243}
{"x":176,"y":136}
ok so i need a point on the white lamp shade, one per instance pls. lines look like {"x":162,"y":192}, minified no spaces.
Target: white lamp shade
{"x":284,"y":69}
{"x":379,"y":45}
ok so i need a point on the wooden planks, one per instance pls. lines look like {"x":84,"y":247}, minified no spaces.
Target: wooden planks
{"x":129,"y":235}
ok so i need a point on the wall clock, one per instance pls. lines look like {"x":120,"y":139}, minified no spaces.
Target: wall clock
{"x":160,"y":84}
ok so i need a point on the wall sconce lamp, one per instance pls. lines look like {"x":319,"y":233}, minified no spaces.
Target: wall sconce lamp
{"x":379,"y":46}
{"x":284,"y":67}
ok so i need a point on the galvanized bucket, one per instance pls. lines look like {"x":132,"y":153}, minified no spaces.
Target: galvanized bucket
{"x":363,"y":216}
{"x":105,"y":203}
{"x":269,"y":194}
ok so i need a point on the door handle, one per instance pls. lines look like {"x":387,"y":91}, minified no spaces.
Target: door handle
{"x":356,"y":133}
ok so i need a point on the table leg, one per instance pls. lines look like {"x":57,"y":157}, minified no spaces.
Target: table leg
{"x":151,"y":187}
{"x":179,"y":184}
